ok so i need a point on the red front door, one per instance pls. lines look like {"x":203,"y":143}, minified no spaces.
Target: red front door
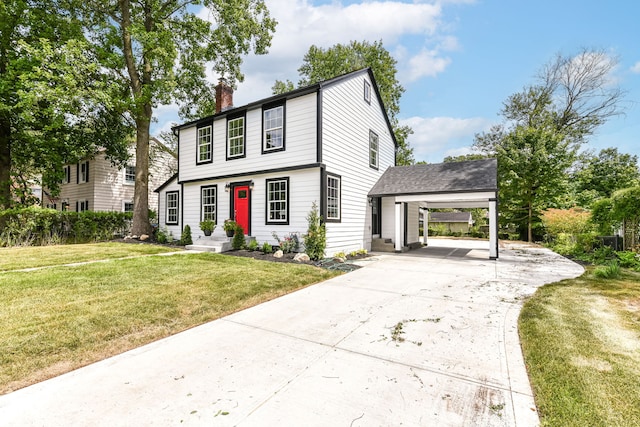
{"x":241,"y":207}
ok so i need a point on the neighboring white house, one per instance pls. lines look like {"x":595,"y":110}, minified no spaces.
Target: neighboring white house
{"x":95,"y":184}
{"x":266,"y":163}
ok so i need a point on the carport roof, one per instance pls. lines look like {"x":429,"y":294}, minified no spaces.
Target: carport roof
{"x":454,"y":177}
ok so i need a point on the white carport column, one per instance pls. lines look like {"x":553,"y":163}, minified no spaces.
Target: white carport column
{"x":493,"y":228}
{"x":398,"y":235}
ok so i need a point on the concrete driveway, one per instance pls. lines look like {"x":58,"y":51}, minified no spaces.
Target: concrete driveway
{"x":427,"y":338}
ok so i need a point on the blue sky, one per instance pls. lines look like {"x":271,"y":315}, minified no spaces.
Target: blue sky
{"x":457,"y":59}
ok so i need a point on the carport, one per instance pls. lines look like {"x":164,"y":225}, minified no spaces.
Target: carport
{"x":403,"y":190}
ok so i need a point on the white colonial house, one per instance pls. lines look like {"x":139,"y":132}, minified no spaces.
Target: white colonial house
{"x":265,"y":164}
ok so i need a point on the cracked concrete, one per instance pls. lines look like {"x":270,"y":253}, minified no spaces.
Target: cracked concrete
{"x":325,"y":355}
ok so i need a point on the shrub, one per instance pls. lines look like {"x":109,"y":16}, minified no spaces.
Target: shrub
{"x":266,"y":248}
{"x":628,"y":259}
{"x":186,"y":238}
{"x":315,"y":241}
{"x":572,"y":221}
{"x":238,"y":241}
{"x":37,"y":226}
{"x":253,"y":245}
{"x":611,"y":271}
{"x":289,"y":244}
{"x":162,"y":236}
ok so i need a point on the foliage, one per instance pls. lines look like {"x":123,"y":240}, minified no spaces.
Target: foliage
{"x":465,"y":157}
{"x":37,"y":226}
{"x":207,"y":225}
{"x":602,"y":216}
{"x":544,"y":125}
{"x":162,"y":235}
{"x":238,"y":241}
{"x":611,"y":271}
{"x":266,"y":248}
{"x":253,"y":245}
{"x":315,"y":241}
{"x":158,"y":53}
{"x":289,"y":244}
{"x":229,"y":225}
{"x":599,"y":176}
{"x":628,"y":259}
{"x":322,"y":64}
{"x":186,"y":238}
{"x":572,"y":221}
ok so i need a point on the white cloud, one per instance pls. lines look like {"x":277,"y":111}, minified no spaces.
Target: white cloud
{"x":636,"y":68}
{"x":437,"y":137}
{"x":425,"y":64}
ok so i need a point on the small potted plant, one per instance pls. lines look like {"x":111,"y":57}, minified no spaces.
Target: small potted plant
{"x":229,"y":227}
{"x":207,"y":226}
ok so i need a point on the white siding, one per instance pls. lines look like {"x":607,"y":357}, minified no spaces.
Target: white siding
{"x":304,"y":189}
{"x":300,"y":143}
{"x":388,"y":218}
{"x":347,"y":121}
{"x":413,"y":232}
{"x":161,"y":201}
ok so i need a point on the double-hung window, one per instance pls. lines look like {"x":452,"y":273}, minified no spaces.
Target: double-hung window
{"x":373,"y":150}
{"x":171,"y":217}
{"x":67,"y":175}
{"x":83,"y":172}
{"x":273,"y":128}
{"x":235,"y":137}
{"x":334,"y":183}
{"x":208,"y":199}
{"x":129,"y":174}
{"x":205,"y":143}
{"x":127,"y":206}
{"x":278,"y":201}
{"x":82,"y":206}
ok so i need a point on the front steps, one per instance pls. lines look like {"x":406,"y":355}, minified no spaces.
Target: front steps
{"x":385,"y":245}
{"x":216,"y":244}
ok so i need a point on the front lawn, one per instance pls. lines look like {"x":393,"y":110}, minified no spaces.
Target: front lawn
{"x":43,"y":256}
{"x":60,"y":318}
{"x":581,"y":343}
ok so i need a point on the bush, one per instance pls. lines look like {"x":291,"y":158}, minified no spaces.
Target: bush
{"x":186,"y":238}
{"x":238,"y":241}
{"x":611,"y":271}
{"x":289,"y":244}
{"x":162,"y":235}
{"x":315,"y":241}
{"x":37,"y":226}
{"x":628,"y":259}
{"x":253,"y":245}
{"x":266,"y":248}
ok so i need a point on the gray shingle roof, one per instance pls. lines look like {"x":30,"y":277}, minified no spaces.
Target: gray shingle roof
{"x":450,"y":217}
{"x":455,"y":177}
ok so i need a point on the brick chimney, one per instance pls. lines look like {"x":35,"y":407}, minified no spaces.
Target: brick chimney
{"x":224,"y":96}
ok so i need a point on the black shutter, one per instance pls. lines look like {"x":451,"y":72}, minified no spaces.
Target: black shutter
{"x":76,"y":206}
{"x":78,"y":174}
{"x":86,"y":205}
{"x":87,"y":172}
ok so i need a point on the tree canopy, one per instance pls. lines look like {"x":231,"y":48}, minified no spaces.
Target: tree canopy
{"x":543,"y":127}
{"x":322,"y":64}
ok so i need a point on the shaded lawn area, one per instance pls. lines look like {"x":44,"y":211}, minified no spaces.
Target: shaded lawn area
{"x":581,"y":343}
{"x":58,"y":319}
{"x":44,"y":256}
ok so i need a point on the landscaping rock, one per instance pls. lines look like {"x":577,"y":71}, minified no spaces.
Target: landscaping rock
{"x":144,"y":237}
{"x":302,"y":257}
{"x":278,"y":254}
{"x":339,"y":259}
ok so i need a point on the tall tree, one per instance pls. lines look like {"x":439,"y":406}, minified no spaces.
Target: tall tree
{"x":322,"y":64}
{"x":598,"y":176}
{"x":544,"y":125}
{"x":158,"y":51}
{"x":53,"y":110}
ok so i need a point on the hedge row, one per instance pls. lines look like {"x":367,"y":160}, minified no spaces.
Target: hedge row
{"x":37,"y":226}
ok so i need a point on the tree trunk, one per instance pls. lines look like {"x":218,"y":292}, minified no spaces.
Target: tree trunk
{"x":141,"y":192}
{"x":530,"y":224}
{"x":5,"y":162}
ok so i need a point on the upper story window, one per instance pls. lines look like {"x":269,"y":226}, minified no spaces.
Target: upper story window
{"x":333,"y":197}
{"x":130,"y":174}
{"x":83,"y":173}
{"x":208,"y":202}
{"x":67,"y":175}
{"x":373,"y":149}
{"x":367,"y":92}
{"x":235,"y":137}
{"x":171,"y":217}
{"x":273,"y":129}
{"x":278,"y":201}
{"x":205,"y":144}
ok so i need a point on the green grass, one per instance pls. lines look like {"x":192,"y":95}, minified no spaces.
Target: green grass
{"x":581,"y":343}
{"x":44,"y":256}
{"x":58,"y":319}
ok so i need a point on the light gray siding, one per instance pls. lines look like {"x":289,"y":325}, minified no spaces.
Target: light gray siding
{"x":300,"y":143}
{"x":175,"y":230}
{"x":347,"y":120}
